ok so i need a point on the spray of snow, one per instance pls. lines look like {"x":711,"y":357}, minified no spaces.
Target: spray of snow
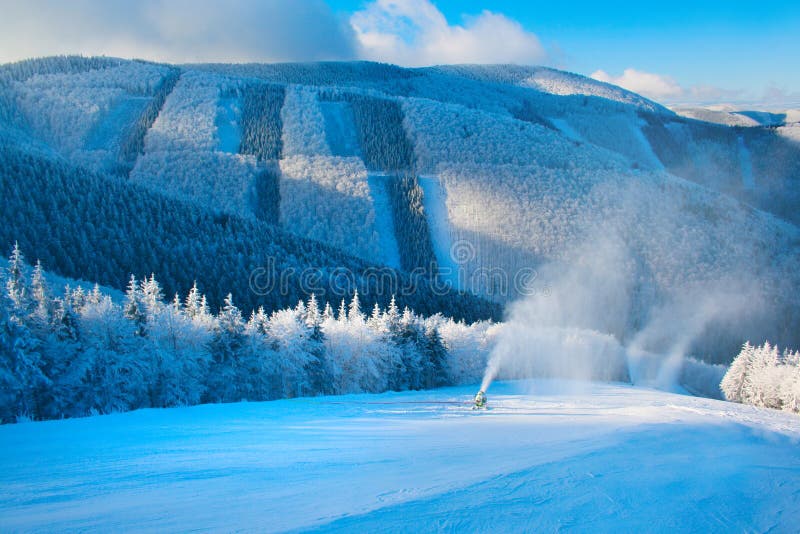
{"x":592,"y":317}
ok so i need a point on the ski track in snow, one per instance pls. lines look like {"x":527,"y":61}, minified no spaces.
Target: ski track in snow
{"x":105,"y":135}
{"x":340,"y":130}
{"x":384,"y":223}
{"x":435,"y":204}
{"x":565,"y":128}
{"x":746,"y":163}
{"x":227,"y":122}
{"x":546,"y":456}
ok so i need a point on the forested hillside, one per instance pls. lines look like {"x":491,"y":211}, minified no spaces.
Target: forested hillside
{"x":104,"y":229}
{"x":223,"y":167}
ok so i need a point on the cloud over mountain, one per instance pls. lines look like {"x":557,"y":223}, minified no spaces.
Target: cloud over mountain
{"x":415,"y":32}
{"x":176,"y":30}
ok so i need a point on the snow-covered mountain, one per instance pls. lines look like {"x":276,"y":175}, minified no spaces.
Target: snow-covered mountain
{"x":482,"y":177}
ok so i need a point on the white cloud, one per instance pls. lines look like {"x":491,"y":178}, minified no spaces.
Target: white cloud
{"x":646,"y":84}
{"x":175,"y":30}
{"x":415,"y":33}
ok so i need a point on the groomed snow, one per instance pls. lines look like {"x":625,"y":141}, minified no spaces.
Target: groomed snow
{"x":434,"y":201}
{"x":384,"y":222}
{"x":546,"y":456}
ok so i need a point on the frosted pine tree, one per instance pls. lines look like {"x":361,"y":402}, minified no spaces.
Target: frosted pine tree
{"x":328,"y":312}
{"x":16,"y":281}
{"x":152,"y":297}
{"x":41,"y":295}
{"x":224,"y":348}
{"x":115,"y":354}
{"x":733,"y":383}
{"x":354,"y":311}
{"x":435,"y":372}
{"x":762,"y":379}
{"x":318,"y":368}
{"x":193,"y":304}
{"x":134,"y":308}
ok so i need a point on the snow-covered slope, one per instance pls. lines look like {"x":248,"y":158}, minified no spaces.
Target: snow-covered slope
{"x":546,"y":456}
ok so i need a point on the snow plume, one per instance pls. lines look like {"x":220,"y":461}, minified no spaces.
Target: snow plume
{"x":656,"y":353}
{"x":570,"y":325}
{"x":595,"y":316}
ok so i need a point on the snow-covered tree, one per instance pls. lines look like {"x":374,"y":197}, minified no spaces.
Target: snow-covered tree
{"x":17,"y":287}
{"x":763,"y":377}
{"x":733,"y":383}
{"x":135,"y":307}
{"x":225,"y":349}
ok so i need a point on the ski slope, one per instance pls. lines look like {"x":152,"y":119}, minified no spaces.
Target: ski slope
{"x":546,"y":456}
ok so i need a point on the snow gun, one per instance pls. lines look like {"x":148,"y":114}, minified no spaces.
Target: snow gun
{"x":480,"y":401}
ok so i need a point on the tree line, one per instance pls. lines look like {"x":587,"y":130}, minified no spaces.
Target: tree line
{"x":79,"y":352}
{"x":763,"y":376}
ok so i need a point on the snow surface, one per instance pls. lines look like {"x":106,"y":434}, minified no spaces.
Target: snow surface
{"x":435,"y":204}
{"x":106,"y":133}
{"x":564,"y":127}
{"x":340,"y":130}
{"x":384,"y":222}
{"x":747,"y":164}
{"x":546,"y":456}
{"x":227,"y":121}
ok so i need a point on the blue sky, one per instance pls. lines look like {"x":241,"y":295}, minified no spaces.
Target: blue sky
{"x":677,"y":51}
{"x":732,"y":45}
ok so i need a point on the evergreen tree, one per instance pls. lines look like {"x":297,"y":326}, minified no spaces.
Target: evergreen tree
{"x":318,"y":368}
{"x":41,"y":295}
{"x":328,"y":313}
{"x":733,"y":383}
{"x":135,"y":308}
{"x":194,"y":305}
{"x":225,"y":347}
{"x":313,"y":317}
{"x":20,"y":367}
{"x":152,"y":296}
{"x":435,"y":372}
{"x":354,"y":311}
{"x":16,"y":281}
{"x":376,"y":319}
